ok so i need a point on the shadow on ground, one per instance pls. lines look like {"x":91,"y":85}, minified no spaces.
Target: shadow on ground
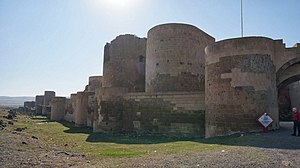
{"x":280,"y":139}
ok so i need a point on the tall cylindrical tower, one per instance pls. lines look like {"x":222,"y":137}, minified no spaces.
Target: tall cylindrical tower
{"x":81,"y":108}
{"x":124,"y":63}
{"x":58,"y":105}
{"x":240,"y":85}
{"x":175,"y":58}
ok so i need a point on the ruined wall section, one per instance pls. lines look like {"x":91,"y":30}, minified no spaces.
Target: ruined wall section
{"x":108,"y":117}
{"x":168,"y":113}
{"x":175,"y":58}
{"x":29,"y":106}
{"x":124,"y":63}
{"x":240,"y":85}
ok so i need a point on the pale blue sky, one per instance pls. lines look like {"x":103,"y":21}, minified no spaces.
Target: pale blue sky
{"x":57,"y":44}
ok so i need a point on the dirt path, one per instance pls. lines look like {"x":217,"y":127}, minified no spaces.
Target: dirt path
{"x":276,"y":149}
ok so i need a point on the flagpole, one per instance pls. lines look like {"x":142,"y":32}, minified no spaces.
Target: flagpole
{"x":242,"y":26}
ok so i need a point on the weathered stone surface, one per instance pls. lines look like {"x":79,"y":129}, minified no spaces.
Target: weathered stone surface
{"x":155,"y":115}
{"x":94,"y":83}
{"x":58,"y":105}
{"x":81,"y":109}
{"x":39,"y":100}
{"x":70,"y":108}
{"x":175,"y":58}
{"x":124,"y":63}
{"x":284,"y":104}
{"x":240,"y":86}
{"x":29,"y":106}
{"x":92,"y":108}
{"x":46,"y":106}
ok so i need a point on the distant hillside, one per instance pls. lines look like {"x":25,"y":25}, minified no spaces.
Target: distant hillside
{"x":14,"y":101}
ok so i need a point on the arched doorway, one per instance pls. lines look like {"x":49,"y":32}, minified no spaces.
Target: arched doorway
{"x":288,"y":77}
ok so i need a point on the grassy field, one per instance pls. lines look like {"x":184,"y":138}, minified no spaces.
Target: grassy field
{"x":67,"y":137}
{"x":60,"y":144}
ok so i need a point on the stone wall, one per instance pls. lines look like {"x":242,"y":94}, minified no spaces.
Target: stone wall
{"x":124,"y":63}
{"x":175,"y":58}
{"x":284,"y":104}
{"x":81,"y":109}
{"x":285,"y":56}
{"x":108,"y":117}
{"x":240,"y":85}
{"x":39,"y":100}
{"x":92,"y":108}
{"x":94,"y":83}
{"x":294,"y":91}
{"x":48,"y":95}
{"x":170,"y":113}
{"x":287,"y":65}
{"x":58,"y":105}
{"x":70,"y":108}
{"x":29,"y":104}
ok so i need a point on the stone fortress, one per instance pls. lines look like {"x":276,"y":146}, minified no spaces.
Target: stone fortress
{"x":179,"y":81}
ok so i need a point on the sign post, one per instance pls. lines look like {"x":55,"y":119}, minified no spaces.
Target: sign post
{"x":265,"y":120}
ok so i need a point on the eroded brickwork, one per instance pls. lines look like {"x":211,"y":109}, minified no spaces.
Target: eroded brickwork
{"x":172,"y":113}
{"x":124,"y":63}
{"x":175,"y":58}
{"x":239,"y":87}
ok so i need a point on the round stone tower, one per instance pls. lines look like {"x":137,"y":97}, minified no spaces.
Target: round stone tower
{"x":58,"y":105}
{"x":175,"y":58}
{"x":124,"y":63}
{"x":240,"y":85}
{"x":81,"y":108}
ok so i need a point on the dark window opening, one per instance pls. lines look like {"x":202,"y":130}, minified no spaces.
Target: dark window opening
{"x":142,"y":59}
